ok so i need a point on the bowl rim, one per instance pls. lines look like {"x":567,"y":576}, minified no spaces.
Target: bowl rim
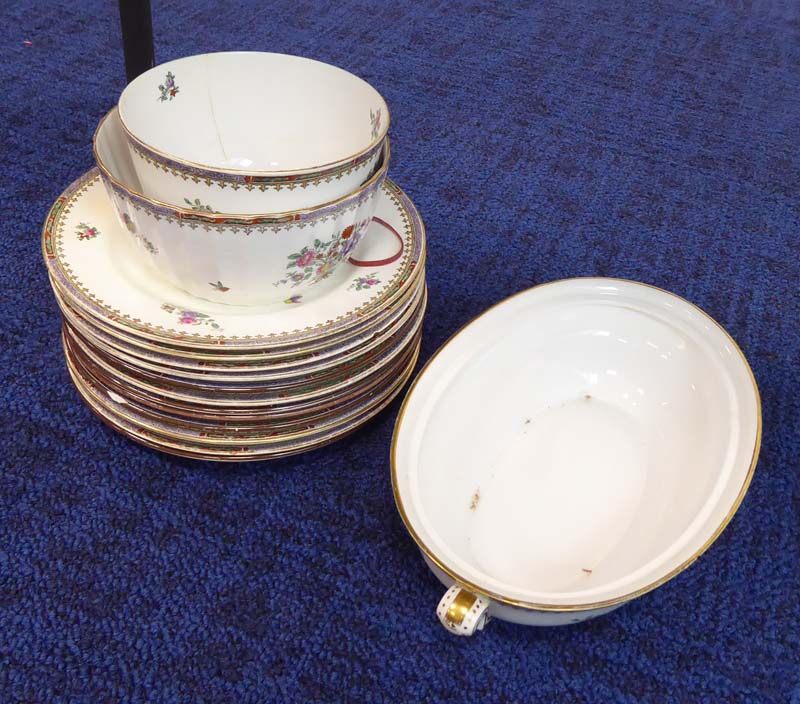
{"x":614,"y":601}
{"x":210,"y":170}
{"x":244,"y":218}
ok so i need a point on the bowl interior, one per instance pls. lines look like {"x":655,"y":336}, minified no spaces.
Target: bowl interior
{"x":577,"y":443}
{"x":253,"y":112}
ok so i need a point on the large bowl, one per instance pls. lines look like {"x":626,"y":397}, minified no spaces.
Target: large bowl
{"x":252,"y":132}
{"x":237,"y":259}
{"x":574,"y":447}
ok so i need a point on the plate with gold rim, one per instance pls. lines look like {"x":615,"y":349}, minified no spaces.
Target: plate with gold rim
{"x":109,"y":410}
{"x":224,"y":397}
{"x":197,"y":412}
{"x":325,"y":413}
{"x":224,"y":370}
{"x":225,"y":357}
{"x":235,"y":454}
{"x":172,"y":378}
{"x":251,"y":436}
{"x":92,"y":257}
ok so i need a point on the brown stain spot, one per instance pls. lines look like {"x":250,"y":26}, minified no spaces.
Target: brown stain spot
{"x":587,"y":397}
{"x":476,"y":497}
{"x":583,"y":569}
{"x":527,"y":421}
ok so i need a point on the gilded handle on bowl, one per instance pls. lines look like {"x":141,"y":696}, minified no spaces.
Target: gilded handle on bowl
{"x":462,"y":612}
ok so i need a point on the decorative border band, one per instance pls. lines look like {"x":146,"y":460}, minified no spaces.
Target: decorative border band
{"x":258,"y":223}
{"x":250,"y":182}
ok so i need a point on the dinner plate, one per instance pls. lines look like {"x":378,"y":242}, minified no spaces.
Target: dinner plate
{"x":235,"y":371}
{"x":226,"y":397}
{"x":109,"y":410}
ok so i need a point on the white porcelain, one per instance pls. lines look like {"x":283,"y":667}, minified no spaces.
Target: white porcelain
{"x":573,"y":448}
{"x":239,"y":260}
{"x":89,"y":257}
{"x":252,"y":132}
{"x":109,"y":341}
{"x":118,"y":413}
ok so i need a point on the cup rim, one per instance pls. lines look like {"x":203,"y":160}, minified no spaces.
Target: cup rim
{"x":587,"y":606}
{"x":212,"y":170}
{"x":245,"y":218}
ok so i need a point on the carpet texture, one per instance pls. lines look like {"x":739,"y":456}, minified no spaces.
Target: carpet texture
{"x":647,"y":140}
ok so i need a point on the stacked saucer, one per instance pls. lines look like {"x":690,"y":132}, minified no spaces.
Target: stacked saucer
{"x":280,"y":367}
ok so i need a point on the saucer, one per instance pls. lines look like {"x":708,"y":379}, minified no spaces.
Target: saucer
{"x":92,"y":259}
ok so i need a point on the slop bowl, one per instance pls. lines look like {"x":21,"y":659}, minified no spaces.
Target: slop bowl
{"x":252,"y":132}
{"x":238,"y":259}
{"x":572,"y":448}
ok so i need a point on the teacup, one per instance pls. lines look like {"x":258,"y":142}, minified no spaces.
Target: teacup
{"x":574,"y":447}
{"x":237,"y":259}
{"x":252,"y":132}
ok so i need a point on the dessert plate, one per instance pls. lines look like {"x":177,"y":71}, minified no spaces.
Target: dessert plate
{"x":281,"y":378}
{"x":254,"y":434}
{"x":93,"y":261}
{"x":108,"y":409}
{"x":223,"y":370}
{"x":223,"y":396}
{"x":199,"y":412}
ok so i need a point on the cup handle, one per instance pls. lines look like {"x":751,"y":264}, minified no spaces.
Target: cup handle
{"x":462,"y":612}
{"x":381,"y":262}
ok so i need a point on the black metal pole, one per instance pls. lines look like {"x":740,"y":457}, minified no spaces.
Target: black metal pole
{"x":137,"y":36}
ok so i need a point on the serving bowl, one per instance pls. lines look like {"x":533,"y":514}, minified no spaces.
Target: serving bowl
{"x":235,"y":259}
{"x":252,"y":132}
{"x":574,"y":447}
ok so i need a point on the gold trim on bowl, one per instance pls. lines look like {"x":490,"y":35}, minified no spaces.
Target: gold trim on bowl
{"x":285,"y":217}
{"x":492,"y":595}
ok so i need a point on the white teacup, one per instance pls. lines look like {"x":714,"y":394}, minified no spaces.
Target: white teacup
{"x":252,"y":132}
{"x":235,"y":259}
{"x":572,"y":448}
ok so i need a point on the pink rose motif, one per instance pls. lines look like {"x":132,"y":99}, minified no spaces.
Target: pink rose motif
{"x":305,"y":259}
{"x":371,"y":282}
{"x":324,"y":269}
{"x":86,"y":232}
{"x":188,"y":317}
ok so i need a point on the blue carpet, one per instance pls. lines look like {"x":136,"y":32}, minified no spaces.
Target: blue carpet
{"x":647,"y":140}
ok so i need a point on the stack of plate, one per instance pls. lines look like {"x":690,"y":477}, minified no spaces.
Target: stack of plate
{"x":212,"y":381}
{"x":239,"y":284}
